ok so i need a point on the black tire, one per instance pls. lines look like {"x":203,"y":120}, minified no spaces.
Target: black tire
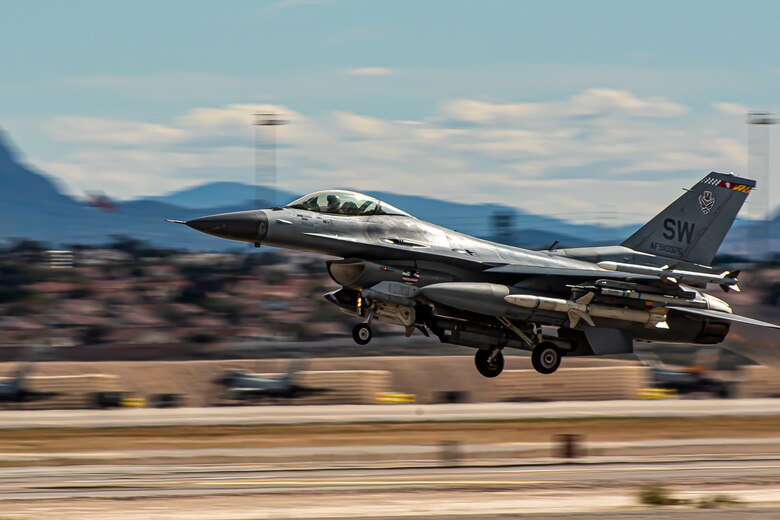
{"x":546,"y":357}
{"x":362,"y":333}
{"x":485,"y":367}
{"x":723,"y":391}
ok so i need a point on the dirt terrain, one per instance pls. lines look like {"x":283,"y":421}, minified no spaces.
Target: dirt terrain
{"x":620,"y":429}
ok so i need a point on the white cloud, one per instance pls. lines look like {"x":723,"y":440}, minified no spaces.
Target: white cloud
{"x":594,"y":102}
{"x":107,"y":131}
{"x":603,"y":101}
{"x":731,"y":109}
{"x":358,"y":125}
{"x":601,"y":148}
{"x":369,"y":71}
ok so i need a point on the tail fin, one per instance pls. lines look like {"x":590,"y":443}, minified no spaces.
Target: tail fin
{"x":21,"y":372}
{"x":693,"y":227}
{"x":292,"y":370}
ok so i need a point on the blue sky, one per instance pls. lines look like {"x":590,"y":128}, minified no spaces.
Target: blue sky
{"x":474,"y":100}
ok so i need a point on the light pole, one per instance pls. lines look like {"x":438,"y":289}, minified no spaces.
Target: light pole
{"x":270,"y":120}
{"x":758,"y":169}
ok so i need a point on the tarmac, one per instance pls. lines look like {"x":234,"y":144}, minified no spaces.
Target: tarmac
{"x":436,"y":481}
{"x":345,"y":414}
{"x":387,"y":456}
{"x":220,"y":491}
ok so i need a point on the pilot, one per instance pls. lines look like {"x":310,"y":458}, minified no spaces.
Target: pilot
{"x":333,"y":204}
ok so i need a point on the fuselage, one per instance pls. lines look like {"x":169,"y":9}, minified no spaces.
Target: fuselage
{"x":398,"y":244}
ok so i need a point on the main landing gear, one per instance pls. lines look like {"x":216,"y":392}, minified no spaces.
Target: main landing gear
{"x":546,"y":357}
{"x":490,"y":363}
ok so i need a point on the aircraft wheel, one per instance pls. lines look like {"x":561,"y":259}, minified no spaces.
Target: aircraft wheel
{"x":362,"y":333}
{"x":489,"y":363}
{"x":546,"y":357}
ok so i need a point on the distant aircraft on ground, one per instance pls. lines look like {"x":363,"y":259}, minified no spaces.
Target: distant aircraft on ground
{"x":490,"y":296}
{"x":702,"y":376}
{"x":15,"y":390}
{"x":244,"y":386}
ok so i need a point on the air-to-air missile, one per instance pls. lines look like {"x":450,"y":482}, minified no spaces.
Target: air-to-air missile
{"x":727,"y":280}
{"x":582,"y":309}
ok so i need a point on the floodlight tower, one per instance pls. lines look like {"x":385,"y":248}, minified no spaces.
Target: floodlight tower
{"x":502,"y":226}
{"x":758,"y":168}
{"x":265,"y":155}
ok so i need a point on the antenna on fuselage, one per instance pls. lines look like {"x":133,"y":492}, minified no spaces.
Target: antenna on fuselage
{"x":266,"y":163}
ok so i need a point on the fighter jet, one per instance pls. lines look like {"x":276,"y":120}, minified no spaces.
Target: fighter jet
{"x":467,"y":291}
{"x":244,"y":386}
{"x":701,"y":376}
{"x":14,"y":390}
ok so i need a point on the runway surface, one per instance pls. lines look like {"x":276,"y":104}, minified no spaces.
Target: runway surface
{"x":121,"y":481}
{"x":339,"y":414}
{"x":244,"y":492}
{"x":420,"y":455}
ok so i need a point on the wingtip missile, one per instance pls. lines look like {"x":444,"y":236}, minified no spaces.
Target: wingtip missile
{"x":174,"y":221}
{"x":669,"y":273}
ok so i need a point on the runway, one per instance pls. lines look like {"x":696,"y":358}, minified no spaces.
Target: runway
{"x":121,"y":481}
{"x":242,"y":492}
{"x":344,"y":414}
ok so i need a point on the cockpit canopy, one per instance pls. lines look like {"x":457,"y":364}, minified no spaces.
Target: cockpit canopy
{"x":345,"y":203}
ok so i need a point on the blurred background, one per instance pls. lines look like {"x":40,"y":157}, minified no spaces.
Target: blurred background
{"x":523,"y":123}
{"x":518,"y":123}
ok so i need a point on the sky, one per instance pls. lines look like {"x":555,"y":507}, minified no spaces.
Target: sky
{"x":567,"y":108}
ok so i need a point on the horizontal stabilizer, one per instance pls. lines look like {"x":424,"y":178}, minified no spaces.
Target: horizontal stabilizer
{"x":725,"y":316}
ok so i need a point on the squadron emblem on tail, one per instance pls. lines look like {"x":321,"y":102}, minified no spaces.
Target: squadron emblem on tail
{"x":706,"y":201}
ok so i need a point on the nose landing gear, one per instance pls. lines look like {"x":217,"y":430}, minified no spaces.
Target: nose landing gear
{"x":362,"y":333}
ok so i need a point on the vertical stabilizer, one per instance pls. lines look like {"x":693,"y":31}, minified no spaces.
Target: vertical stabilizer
{"x":292,"y":370}
{"x":693,"y":227}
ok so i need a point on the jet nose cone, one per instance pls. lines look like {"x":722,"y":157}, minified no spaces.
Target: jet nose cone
{"x":245,"y":226}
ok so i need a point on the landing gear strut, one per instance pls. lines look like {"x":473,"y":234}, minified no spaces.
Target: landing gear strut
{"x":490,"y":363}
{"x":546,"y":357}
{"x":362,"y":333}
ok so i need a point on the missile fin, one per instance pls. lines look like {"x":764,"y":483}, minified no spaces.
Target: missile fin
{"x":574,"y":319}
{"x":586,"y":299}
{"x":575,"y":316}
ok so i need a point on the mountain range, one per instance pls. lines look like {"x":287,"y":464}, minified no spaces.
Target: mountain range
{"x":32,"y":205}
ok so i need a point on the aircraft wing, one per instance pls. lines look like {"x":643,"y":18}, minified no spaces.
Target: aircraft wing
{"x":249,"y":390}
{"x":573,"y":272}
{"x":724,"y":316}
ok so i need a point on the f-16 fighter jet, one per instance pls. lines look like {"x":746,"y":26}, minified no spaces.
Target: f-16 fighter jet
{"x":244,"y":386}
{"x":14,"y":388}
{"x":466,"y":291}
